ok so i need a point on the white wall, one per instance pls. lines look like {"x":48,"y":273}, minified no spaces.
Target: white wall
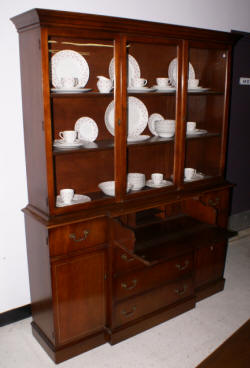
{"x":213,"y":14}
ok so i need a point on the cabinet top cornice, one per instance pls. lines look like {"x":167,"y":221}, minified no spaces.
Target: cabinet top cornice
{"x":67,"y":20}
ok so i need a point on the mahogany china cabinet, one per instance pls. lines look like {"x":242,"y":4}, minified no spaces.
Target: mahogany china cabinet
{"x":106,"y":268}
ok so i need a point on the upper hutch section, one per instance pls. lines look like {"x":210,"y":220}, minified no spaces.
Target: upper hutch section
{"x":135,"y":128}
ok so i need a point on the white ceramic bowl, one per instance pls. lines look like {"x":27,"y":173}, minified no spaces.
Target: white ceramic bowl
{"x":108,"y":187}
{"x":164,"y":124}
{"x":137,"y":180}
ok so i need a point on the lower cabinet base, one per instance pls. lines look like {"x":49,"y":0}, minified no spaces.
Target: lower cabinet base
{"x":209,"y":289}
{"x":149,"y":321}
{"x":116,"y":335}
{"x":63,"y":353}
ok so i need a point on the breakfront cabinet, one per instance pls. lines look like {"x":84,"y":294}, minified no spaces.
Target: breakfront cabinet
{"x":106,"y":267}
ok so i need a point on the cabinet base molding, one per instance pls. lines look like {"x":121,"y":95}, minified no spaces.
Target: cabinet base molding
{"x":68,"y":351}
{"x":122,"y":333}
{"x":209,"y":289}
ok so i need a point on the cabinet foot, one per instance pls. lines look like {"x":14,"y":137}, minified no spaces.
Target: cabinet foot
{"x":62,"y":353}
{"x":209,"y":289}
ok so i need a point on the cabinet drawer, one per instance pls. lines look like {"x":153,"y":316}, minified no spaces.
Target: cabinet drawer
{"x":152,"y":301}
{"x":150,"y":277}
{"x":124,"y":262}
{"x":69,"y":238}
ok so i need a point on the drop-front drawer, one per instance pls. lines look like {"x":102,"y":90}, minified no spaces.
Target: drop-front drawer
{"x":154,"y":300}
{"x":124,"y":262}
{"x":151,"y":277}
{"x":70,"y":238}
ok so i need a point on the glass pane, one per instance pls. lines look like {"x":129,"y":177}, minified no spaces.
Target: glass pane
{"x":151,"y":115}
{"x":80,"y":98}
{"x":205,"y":113}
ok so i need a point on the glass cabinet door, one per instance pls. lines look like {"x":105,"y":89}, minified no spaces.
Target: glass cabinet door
{"x":205,"y":115}
{"x":152,"y":82}
{"x":82,"y":88}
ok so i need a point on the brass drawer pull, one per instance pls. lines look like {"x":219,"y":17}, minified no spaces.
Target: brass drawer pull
{"x":73,"y":236}
{"x":125,"y":286}
{"x":127,"y":314}
{"x":125,"y":258}
{"x":214,"y":203}
{"x":181,"y":291}
{"x":180,"y":267}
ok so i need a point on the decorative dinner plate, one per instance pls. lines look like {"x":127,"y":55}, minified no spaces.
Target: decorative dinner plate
{"x":137,"y":138}
{"x":172,"y":72}
{"x":87,"y":129}
{"x":59,"y":143}
{"x":73,"y":90}
{"x":133,"y":69}
{"x":151,"y":122}
{"x":137,"y":117}
{"x":78,"y":198}
{"x":163,"y":183}
{"x":69,"y":64}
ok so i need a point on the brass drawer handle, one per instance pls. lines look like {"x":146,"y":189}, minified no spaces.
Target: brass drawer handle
{"x":125,"y":286}
{"x":132,"y":311}
{"x":180,"y":267}
{"x":124,"y":257}
{"x":73,"y":236}
{"x":181,"y":291}
{"x":214,"y":203}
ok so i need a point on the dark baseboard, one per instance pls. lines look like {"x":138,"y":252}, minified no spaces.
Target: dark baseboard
{"x":15,"y":315}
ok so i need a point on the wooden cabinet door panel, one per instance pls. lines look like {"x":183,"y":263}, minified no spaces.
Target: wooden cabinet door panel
{"x":209,"y":263}
{"x":79,"y":289}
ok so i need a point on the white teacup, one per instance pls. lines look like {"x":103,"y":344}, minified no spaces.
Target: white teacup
{"x":69,"y":136}
{"x":157,"y":178}
{"x":193,"y":83}
{"x":162,"y":82}
{"x":67,"y":195}
{"x":69,"y":82}
{"x":191,"y":126}
{"x":139,"y":82}
{"x":189,"y":173}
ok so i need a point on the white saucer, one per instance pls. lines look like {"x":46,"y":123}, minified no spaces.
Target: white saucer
{"x":163,"y":183}
{"x":70,"y":90}
{"x":166,"y":135}
{"x":137,"y":138}
{"x":141,"y":89}
{"x":164,"y":89}
{"x":197,"y":176}
{"x":198,"y":89}
{"x":197,"y":132}
{"x":59,"y":143}
{"x":78,"y":198}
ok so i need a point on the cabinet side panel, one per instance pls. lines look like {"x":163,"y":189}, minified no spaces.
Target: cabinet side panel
{"x":39,"y":276}
{"x":33,"y":116}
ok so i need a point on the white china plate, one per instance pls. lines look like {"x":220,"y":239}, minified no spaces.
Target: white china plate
{"x":151,"y":122}
{"x":165,"y":89}
{"x":78,"y":198}
{"x":197,"y":176}
{"x":198,"y":89}
{"x":59,"y":143}
{"x":73,"y":90}
{"x":69,"y":64}
{"x":163,"y":183}
{"x":87,"y":129}
{"x":133,"y":69}
{"x":137,"y":138}
{"x":137,"y":117}
{"x":141,"y":89}
{"x":172,"y":72}
{"x":197,"y":132}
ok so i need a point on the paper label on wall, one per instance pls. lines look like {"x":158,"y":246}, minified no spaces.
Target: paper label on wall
{"x":245,"y":81}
